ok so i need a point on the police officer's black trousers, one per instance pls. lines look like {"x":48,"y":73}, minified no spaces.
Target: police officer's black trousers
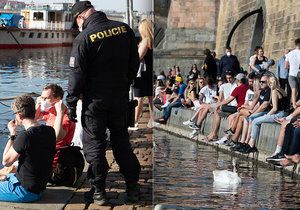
{"x":97,"y":115}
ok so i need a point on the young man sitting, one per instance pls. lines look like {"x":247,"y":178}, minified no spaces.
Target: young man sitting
{"x":51,"y":110}
{"x":34,"y":148}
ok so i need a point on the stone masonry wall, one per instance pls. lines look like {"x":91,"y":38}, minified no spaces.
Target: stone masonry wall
{"x":191,"y":26}
{"x":281,"y":26}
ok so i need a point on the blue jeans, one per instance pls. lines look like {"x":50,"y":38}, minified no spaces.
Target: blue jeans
{"x":12,"y":191}
{"x":168,"y":109}
{"x":256,"y":115}
{"x":256,"y":123}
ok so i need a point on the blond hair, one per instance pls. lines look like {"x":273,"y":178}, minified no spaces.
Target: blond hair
{"x":146,"y":31}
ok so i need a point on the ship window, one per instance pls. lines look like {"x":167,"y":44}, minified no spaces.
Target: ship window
{"x":62,"y":35}
{"x":22,"y":34}
{"x":52,"y":35}
{"x":57,"y":35}
{"x":67,"y":35}
{"x":46,"y":35}
{"x":31,"y":35}
{"x":39,"y":35}
{"x":38,"y":16}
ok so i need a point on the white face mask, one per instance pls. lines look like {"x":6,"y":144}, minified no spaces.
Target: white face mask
{"x":80,"y":28}
{"x":228,"y":54}
{"x":45,"y":106}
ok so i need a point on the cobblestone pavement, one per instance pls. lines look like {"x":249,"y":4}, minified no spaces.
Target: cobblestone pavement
{"x":141,"y":141}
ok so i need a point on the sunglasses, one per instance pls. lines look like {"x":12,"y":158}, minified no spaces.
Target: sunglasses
{"x":16,"y":112}
{"x":262,"y":82}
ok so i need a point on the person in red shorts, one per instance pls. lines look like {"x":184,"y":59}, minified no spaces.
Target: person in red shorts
{"x":51,"y":111}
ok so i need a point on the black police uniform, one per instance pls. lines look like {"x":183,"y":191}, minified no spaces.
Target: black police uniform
{"x":104,"y":61}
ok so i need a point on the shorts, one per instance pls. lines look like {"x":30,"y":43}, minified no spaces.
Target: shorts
{"x":12,"y":191}
{"x":227,"y":110}
{"x":293,"y":81}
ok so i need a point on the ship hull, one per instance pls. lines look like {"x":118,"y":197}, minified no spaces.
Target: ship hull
{"x":13,"y":38}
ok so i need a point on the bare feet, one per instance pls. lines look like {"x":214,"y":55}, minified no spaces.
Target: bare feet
{"x":210,"y":137}
{"x":293,"y":158}
{"x":286,"y":162}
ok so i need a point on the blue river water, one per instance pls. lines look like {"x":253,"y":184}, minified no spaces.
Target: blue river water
{"x":183,"y":179}
{"x":27,"y":71}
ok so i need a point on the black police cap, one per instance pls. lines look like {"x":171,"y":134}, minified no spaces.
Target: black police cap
{"x":78,"y":8}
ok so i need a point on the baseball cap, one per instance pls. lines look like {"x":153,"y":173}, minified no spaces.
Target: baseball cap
{"x":78,"y":8}
{"x":240,"y":76}
{"x":161,"y":77}
{"x":178,"y":79}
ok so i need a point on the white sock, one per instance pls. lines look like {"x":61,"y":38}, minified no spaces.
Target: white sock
{"x":278,"y":149}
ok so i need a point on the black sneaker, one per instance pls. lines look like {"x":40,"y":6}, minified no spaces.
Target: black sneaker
{"x":194,"y":127}
{"x":88,"y":196}
{"x":229,"y":132}
{"x":100,"y":198}
{"x":237,"y":146}
{"x":275,"y":163}
{"x":243,"y":148}
{"x":249,"y":150}
{"x":230,"y":143}
{"x":276,"y":157}
{"x":133,"y":193}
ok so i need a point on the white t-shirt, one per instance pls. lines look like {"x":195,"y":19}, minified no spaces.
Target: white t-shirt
{"x":249,"y":96}
{"x":252,"y":59}
{"x":293,"y":58}
{"x":208,"y":94}
{"x":227,"y":89}
{"x":158,"y":90}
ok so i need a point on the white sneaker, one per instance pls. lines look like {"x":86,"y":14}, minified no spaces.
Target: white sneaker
{"x":133,"y":128}
{"x":194,"y":134}
{"x":165,"y":105}
{"x":221,"y":141}
{"x":189,"y":122}
{"x":150,"y":123}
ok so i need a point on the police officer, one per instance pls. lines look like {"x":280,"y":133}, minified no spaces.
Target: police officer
{"x":104,"y":60}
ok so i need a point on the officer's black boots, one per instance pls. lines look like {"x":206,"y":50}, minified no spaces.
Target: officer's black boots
{"x":95,"y":195}
{"x":100,"y":198}
{"x":133,"y":193}
{"x":88,"y":196}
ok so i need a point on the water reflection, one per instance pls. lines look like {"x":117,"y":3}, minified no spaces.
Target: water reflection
{"x":26,"y":71}
{"x":183,"y":176}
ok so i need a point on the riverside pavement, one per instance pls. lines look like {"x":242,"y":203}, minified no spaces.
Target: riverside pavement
{"x":71,"y":198}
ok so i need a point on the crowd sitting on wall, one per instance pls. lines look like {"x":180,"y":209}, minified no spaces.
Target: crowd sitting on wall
{"x":246,"y":98}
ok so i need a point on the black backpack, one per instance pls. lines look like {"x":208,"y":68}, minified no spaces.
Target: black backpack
{"x":69,"y":167}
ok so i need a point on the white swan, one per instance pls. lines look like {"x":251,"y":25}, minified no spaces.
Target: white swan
{"x":226,"y":177}
{"x":226,"y":181}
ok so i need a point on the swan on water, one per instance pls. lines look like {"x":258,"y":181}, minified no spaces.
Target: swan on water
{"x":226,"y":181}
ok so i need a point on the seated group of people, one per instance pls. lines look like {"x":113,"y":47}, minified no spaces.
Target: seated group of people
{"x":246,"y":102}
{"x":38,"y":148}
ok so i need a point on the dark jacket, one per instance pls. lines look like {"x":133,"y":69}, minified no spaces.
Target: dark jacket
{"x":211,"y":67}
{"x":229,"y":63}
{"x":104,"y":59}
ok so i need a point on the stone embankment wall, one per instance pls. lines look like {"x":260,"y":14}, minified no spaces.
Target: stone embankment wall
{"x":266,"y":142}
{"x":190,"y":28}
{"x":280,"y":27}
{"x":193,"y":25}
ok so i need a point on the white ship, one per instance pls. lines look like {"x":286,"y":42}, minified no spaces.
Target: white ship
{"x":37,"y":26}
